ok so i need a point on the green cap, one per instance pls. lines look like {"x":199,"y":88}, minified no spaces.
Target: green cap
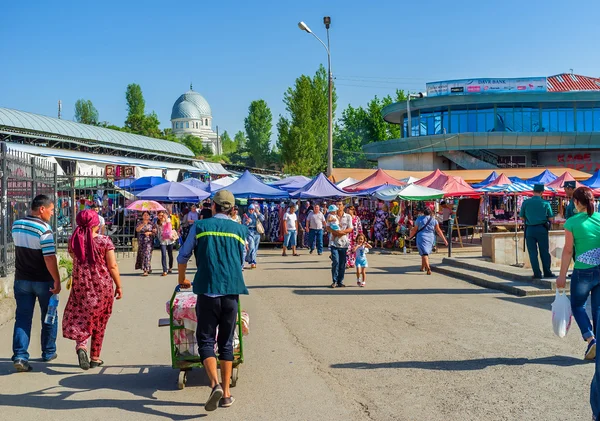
{"x":538,"y":188}
{"x":225,"y":199}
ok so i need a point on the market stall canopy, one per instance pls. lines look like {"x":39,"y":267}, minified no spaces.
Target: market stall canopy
{"x":543,"y":178}
{"x":194,"y":182}
{"x":320,"y":187}
{"x":453,"y":186}
{"x":174,"y":192}
{"x":558,"y":183}
{"x":221,"y":182}
{"x":470,"y":176}
{"x":499,"y":181}
{"x":378,"y":178}
{"x":248,"y":186}
{"x":594,"y":181}
{"x":429,"y":179}
{"x":347,"y":182}
{"x":517,"y":180}
{"x":410,"y":180}
{"x":145,"y":183}
{"x":294,"y":185}
{"x":512,"y":188}
{"x":211,"y":167}
{"x":410,"y":192}
{"x":290,"y":180}
{"x":487,"y":181}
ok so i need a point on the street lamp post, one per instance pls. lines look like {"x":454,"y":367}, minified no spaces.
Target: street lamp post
{"x":304,"y":27}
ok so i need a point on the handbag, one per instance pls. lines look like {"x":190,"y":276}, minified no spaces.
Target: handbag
{"x":174,"y":235}
{"x":259,"y":227}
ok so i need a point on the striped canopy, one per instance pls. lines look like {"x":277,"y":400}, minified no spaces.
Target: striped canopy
{"x":511,"y":188}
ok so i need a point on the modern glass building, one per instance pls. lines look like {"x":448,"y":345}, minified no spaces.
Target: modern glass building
{"x":495,"y":123}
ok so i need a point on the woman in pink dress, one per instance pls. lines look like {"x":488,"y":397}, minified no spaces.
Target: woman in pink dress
{"x":90,"y":303}
{"x":351,"y":254}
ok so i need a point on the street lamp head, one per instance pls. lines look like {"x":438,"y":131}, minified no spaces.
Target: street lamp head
{"x":304,"y":27}
{"x":327,"y":21}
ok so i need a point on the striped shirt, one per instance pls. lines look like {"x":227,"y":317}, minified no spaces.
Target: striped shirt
{"x":33,"y":240}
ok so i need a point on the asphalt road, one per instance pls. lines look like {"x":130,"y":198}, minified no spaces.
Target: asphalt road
{"x":406,"y":347}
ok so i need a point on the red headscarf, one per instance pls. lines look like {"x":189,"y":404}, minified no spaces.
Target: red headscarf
{"x":82,"y":240}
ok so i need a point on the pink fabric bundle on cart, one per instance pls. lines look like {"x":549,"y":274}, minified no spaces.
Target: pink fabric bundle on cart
{"x":184,"y":314}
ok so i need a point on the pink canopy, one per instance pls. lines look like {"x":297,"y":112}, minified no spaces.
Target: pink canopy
{"x":501,"y":180}
{"x":427,"y":181}
{"x":453,"y":186}
{"x":378,"y":178}
{"x":558,"y":183}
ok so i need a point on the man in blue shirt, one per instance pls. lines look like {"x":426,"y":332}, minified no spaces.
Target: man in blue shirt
{"x":219,"y":245}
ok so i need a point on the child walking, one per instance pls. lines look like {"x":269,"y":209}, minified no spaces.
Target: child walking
{"x":361,"y":249}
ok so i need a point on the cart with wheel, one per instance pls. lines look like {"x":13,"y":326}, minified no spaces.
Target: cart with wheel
{"x":184,"y":351}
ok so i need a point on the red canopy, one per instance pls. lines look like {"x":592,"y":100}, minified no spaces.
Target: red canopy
{"x":501,"y":180}
{"x":427,"y":181}
{"x":376,"y":179}
{"x":453,"y":186}
{"x":558,"y":183}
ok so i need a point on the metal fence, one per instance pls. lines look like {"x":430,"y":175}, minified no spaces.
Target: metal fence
{"x":23,"y":178}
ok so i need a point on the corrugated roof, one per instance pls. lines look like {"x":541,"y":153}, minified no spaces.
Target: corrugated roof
{"x":99,"y":135}
{"x":565,"y":82}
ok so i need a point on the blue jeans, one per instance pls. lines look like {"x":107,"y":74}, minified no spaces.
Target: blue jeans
{"x":164,"y":251}
{"x":584,"y":282}
{"x":26,"y":293}
{"x":253,"y":243}
{"x":595,"y":387}
{"x":289,"y":240}
{"x":315,"y":235}
{"x":338,"y":264}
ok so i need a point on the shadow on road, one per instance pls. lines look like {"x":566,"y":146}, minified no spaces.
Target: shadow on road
{"x":466,"y":365}
{"x":364,"y":291}
{"x":141,"y":381}
{"x":543,"y":302}
{"x":398,"y":270}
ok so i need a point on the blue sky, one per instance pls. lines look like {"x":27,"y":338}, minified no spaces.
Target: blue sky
{"x":238,"y":51}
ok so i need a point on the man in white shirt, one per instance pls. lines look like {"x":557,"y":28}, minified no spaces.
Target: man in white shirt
{"x":314,"y":226}
{"x":290,"y":230}
{"x":338,"y":244}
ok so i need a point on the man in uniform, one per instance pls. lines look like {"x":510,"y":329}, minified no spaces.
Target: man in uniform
{"x":219,"y":245}
{"x":537,"y":214}
{"x":569,"y":187}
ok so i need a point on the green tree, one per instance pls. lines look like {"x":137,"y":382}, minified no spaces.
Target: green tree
{"x":228,"y":144}
{"x":85,"y":112}
{"x":136,"y":108}
{"x":240,"y":141}
{"x":303,"y":136}
{"x":194,"y":143}
{"x":258,"y":127}
{"x":359,"y":126}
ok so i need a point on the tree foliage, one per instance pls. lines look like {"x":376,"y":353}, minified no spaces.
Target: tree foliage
{"x":85,"y":112}
{"x":228,"y":144}
{"x":303,"y":136}
{"x":359,"y":126}
{"x":258,"y":125}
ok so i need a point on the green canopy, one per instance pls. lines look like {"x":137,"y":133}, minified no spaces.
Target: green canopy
{"x":410,"y":192}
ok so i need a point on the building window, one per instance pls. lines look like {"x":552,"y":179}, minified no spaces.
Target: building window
{"x":187,"y":124}
{"x":206,"y":122}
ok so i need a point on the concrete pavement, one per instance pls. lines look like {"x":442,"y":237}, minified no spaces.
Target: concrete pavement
{"x":406,"y":347}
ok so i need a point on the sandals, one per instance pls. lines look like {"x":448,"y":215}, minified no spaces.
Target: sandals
{"x":84,"y":361}
{"x":94,"y":364}
{"x":145,"y":274}
{"x":295,"y":254}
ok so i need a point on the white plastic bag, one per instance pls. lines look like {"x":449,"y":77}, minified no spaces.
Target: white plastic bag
{"x":561,"y":314}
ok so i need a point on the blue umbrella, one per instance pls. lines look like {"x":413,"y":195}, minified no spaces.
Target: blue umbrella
{"x":174,"y":192}
{"x":194,"y":182}
{"x":145,"y":183}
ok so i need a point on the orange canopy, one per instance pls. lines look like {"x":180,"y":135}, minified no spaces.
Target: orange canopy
{"x":501,"y":180}
{"x":428,"y":180}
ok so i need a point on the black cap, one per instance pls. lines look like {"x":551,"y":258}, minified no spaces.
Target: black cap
{"x":570,"y":184}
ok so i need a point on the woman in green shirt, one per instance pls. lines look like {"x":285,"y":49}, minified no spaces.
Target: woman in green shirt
{"x":582,"y":232}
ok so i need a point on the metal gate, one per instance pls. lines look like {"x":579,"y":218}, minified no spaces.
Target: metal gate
{"x":23,"y":177}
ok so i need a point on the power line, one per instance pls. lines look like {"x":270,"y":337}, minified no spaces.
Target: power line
{"x":385,"y":78}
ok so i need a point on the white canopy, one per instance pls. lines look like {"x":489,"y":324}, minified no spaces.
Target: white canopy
{"x":410,"y":192}
{"x":410,"y":180}
{"x":223,"y":182}
{"x":347,"y":182}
